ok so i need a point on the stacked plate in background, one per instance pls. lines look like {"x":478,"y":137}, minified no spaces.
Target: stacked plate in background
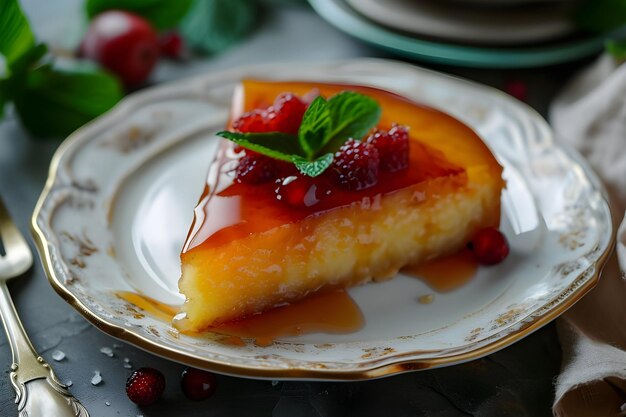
{"x":477,"y":33}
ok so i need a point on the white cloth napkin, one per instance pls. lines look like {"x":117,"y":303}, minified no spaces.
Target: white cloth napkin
{"x":590,"y":115}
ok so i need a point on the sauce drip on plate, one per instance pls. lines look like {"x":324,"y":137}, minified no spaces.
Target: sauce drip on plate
{"x":447,"y":273}
{"x":331,"y":311}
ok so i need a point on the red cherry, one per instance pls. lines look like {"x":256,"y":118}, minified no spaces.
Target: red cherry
{"x":198,"y":385}
{"x":489,"y":245}
{"x":302,"y":191}
{"x":145,"y":386}
{"x":172,"y":45}
{"x":124,"y":43}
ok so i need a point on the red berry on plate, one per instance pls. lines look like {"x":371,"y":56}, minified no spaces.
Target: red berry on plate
{"x":172,"y":45}
{"x":198,"y":385}
{"x":145,"y":386}
{"x":393,"y":147}
{"x":302,"y":191}
{"x":489,"y":245}
{"x":355,"y":166}
{"x":124,"y":43}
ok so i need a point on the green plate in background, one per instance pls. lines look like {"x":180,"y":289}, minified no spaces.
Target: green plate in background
{"x":341,"y":15}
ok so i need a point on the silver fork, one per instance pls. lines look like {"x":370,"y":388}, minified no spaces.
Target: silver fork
{"x":38,"y":391}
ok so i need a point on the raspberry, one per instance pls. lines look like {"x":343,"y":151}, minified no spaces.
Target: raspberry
{"x":285,"y":116}
{"x":489,"y":245}
{"x":356,"y":165}
{"x":198,"y":385}
{"x":287,"y":110}
{"x":255,"y":168}
{"x":301,"y":191}
{"x":145,"y":386}
{"x":310,"y":96}
{"x":393,"y":148}
{"x":252,"y":121}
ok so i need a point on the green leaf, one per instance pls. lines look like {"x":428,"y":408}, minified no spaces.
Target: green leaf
{"x":325,"y":124}
{"x":213,"y":25}
{"x":315,"y":126}
{"x":4,"y":97}
{"x":28,"y":58}
{"x":276,"y":145}
{"x":55,"y":102}
{"x":163,"y":14}
{"x":15,"y":35}
{"x":315,"y":167}
{"x":600,"y":15}
{"x":617,"y":48}
{"x":353,"y":115}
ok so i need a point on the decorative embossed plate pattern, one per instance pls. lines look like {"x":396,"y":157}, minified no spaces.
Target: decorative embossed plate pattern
{"x":121,"y":192}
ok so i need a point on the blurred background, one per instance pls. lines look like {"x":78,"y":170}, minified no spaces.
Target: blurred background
{"x":144,"y":42}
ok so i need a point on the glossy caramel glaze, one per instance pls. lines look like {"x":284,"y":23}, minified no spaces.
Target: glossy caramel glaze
{"x":228,"y":211}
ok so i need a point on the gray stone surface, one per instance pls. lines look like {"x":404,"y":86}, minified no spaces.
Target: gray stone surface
{"x":516,"y":381}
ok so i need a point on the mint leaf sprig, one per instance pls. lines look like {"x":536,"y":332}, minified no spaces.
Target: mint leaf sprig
{"x":326,"y":125}
{"x":50,"y":100}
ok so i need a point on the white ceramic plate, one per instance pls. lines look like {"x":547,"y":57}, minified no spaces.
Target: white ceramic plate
{"x":119,"y":201}
{"x":461,"y":23}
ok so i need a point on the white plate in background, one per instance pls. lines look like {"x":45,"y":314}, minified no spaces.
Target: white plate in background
{"x":464,"y":24}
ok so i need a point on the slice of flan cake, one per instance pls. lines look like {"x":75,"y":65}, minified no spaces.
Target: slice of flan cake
{"x":327,"y":185}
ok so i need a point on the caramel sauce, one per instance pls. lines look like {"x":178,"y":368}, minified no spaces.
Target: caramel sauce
{"x":151,"y":306}
{"x":229,"y":211}
{"x":447,"y":273}
{"x":322,"y":312}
